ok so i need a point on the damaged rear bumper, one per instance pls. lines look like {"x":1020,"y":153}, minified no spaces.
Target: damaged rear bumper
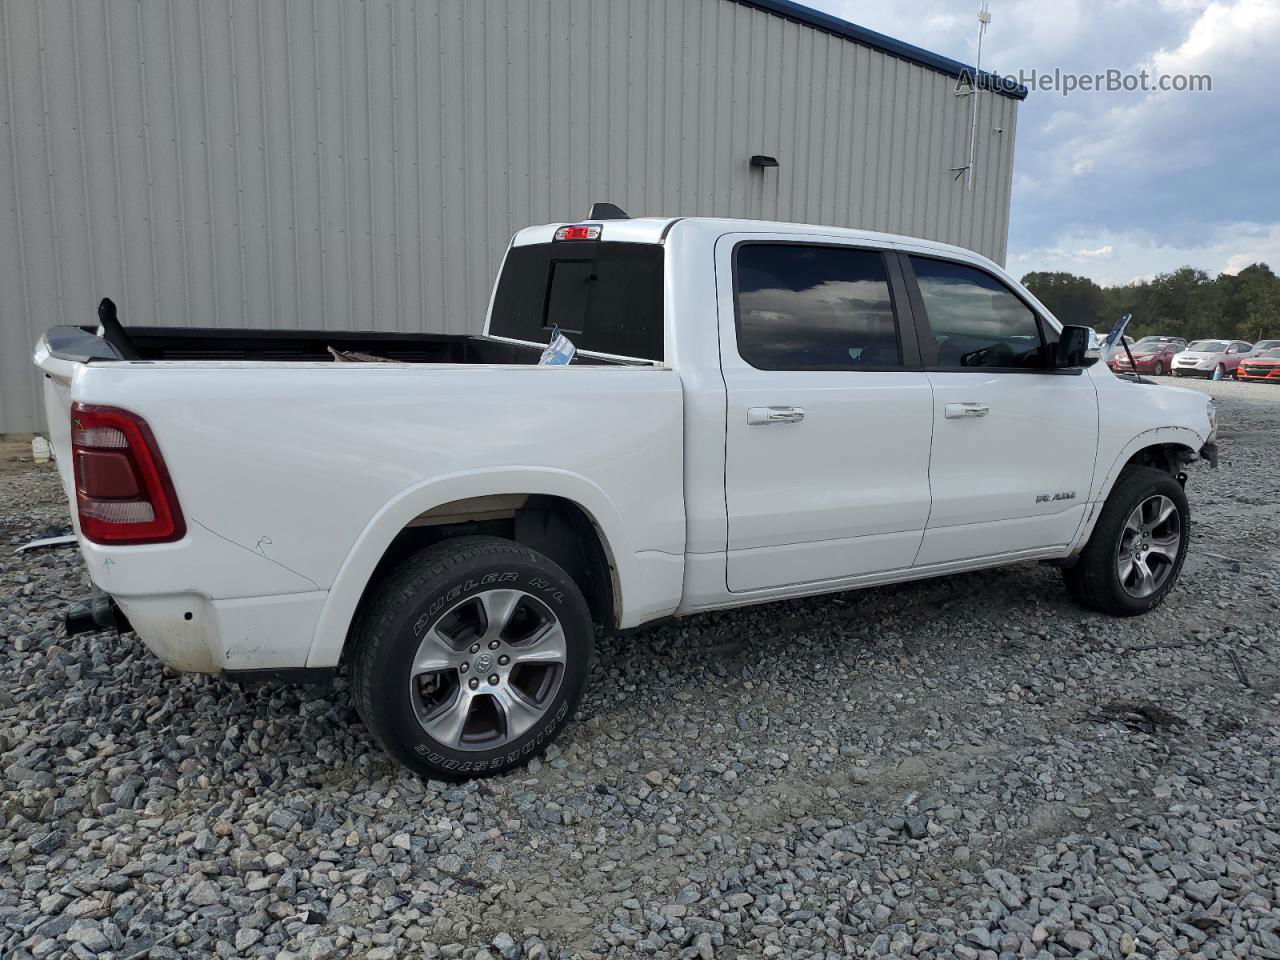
{"x":193,"y":633}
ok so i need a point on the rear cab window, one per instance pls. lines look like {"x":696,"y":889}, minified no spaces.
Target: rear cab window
{"x":605,"y":296}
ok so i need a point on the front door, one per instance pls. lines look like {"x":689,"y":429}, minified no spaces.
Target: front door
{"x":1014,"y":441}
{"x":828,"y":413}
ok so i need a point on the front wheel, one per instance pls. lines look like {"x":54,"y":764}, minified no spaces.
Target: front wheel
{"x":1159,"y":369}
{"x":1137,"y":547}
{"x":470,"y":657}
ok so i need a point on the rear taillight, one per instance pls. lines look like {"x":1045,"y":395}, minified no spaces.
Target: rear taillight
{"x":123,"y":491}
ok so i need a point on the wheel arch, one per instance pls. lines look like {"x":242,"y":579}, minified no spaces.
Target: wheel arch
{"x":1165,"y":448}
{"x":555,"y":512}
{"x":1168,"y":456}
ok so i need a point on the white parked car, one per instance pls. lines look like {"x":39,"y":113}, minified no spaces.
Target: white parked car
{"x":756,"y":411}
{"x":1211,"y":358}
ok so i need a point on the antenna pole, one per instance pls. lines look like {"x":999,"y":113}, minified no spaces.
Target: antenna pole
{"x":984,"y":18}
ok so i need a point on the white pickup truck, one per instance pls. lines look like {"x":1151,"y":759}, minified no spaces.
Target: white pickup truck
{"x":756,"y":411}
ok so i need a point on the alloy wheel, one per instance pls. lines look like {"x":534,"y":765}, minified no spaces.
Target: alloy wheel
{"x":1149,"y":545}
{"x":487,"y":670}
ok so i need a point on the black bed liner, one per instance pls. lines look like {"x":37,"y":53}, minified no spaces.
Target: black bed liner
{"x":211,"y":343}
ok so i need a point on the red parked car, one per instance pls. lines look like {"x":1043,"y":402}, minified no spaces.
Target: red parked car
{"x":1265,"y":366}
{"x":1150,"y":354}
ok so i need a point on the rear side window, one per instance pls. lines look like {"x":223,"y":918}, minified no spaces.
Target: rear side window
{"x":607,"y":297}
{"x":803,"y":307}
{"x":975,"y":320}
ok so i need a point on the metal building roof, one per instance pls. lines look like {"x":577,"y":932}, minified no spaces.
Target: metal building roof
{"x":906,"y":51}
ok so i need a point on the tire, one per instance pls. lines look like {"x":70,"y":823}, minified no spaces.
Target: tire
{"x":1096,"y":582}
{"x":1219,"y":373}
{"x":472,"y":608}
{"x":1159,"y":369}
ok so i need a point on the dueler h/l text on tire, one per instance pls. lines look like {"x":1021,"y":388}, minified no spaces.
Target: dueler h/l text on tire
{"x":471,"y":656}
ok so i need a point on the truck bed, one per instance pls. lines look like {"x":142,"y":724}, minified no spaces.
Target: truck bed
{"x":292,"y":477}
{"x":310,"y":346}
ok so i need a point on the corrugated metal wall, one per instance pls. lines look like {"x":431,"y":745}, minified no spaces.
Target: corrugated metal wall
{"x":340,"y":164}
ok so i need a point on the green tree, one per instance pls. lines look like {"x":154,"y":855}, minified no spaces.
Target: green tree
{"x":1073,"y":299}
{"x":1260,"y":301}
{"x":1173,"y":304}
{"x":1186,"y":302}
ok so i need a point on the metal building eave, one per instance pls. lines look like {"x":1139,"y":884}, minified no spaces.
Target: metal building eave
{"x":808,"y":16}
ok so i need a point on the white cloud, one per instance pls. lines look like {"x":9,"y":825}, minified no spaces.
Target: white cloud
{"x":1163,"y":178}
{"x":1223,"y":32}
{"x":1102,"y":252}
{"x":1172,"y":132}
{"x":1111,"y":259}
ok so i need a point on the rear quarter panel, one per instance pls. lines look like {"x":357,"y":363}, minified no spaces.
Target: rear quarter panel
{"x":295,"y":477}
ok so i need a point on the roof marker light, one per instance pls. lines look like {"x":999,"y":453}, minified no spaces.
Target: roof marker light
{"x":580,"y":231}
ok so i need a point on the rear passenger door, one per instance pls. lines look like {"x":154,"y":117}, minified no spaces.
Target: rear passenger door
{"x":828,"y":413}
{"x":1014,"y":441}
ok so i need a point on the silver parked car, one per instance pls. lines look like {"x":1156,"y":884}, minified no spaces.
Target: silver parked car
{"x":1262,"y":346}
{"x":1215,"y":359}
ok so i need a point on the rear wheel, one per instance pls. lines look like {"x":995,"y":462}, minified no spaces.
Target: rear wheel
{"x":471,"y":657}
{"x":1137,"y":548}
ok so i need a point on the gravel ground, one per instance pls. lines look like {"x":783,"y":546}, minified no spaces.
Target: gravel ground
{"x":969,"y":767}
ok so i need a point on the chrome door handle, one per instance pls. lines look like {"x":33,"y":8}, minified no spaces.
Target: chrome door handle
{"x":955,"y":411}
{"x":757,"y":416}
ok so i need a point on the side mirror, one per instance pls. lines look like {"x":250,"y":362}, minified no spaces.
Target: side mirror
{"x":1076,"y":347}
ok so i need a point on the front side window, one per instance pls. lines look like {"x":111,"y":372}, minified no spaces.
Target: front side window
{"x":975,"y":320}
{"x":802,"y":307}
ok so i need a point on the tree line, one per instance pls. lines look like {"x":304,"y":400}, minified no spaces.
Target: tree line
{"x":1185,"y":303}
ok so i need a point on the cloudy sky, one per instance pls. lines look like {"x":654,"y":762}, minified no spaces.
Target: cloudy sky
{"x":1120,"y":186}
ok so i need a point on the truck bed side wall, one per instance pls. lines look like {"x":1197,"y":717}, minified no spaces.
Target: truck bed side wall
{"x":294,"y":478}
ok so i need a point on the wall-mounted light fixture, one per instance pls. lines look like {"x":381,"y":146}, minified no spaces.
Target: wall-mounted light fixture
{"x":760,"y":161}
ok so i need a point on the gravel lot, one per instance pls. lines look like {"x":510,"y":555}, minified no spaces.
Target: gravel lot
{"x":968,"y":767}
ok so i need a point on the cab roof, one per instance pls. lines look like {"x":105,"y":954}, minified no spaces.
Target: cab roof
{"x":657,"y":229}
